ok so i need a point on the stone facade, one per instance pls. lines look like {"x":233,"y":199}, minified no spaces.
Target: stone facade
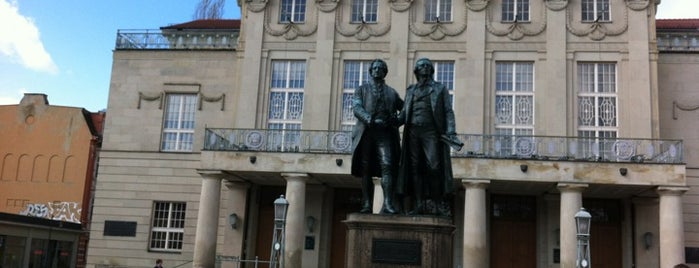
{"x":235,"y":102}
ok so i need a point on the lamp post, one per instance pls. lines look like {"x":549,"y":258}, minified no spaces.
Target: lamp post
{"x":582,"y":224}
{"x":277,"y":254}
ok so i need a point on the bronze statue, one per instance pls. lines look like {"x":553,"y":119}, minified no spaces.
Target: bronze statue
{"x":425,"y":166}
{"x":375,"y":138}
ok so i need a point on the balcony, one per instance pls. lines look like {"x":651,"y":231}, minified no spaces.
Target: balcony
{"x":475,"y":146}
{"x":176,"y":40}
{"x":513,"y":164}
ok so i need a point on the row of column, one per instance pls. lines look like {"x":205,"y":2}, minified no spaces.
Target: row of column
{"x":475,"y":244}
{"x":207,"y":219}
{"x":475,"y":248}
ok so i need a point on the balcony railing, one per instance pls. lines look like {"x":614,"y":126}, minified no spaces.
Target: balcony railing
{"x":156,"y":39}
{"x":475,"y":146}
{"x":678,"y":41}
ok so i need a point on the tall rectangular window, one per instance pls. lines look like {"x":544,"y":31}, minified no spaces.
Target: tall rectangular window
{"x":595,"y":10}
{"x":286,"y":102}
{"x":514,"y":98}
{"x":178,"y":125}
{"x":515,"y":10}
{"x":356,"y":73}
{"x":597,"y":108}
{"x":437,"y":10}
{"x":597,"y":100}
{"x":444,"y":73}
{"x":292,"y":11}
{"x":167,"y":227}
{"x":365,"y":11}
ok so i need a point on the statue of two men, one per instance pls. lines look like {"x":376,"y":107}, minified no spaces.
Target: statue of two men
{"x":424,"y":168}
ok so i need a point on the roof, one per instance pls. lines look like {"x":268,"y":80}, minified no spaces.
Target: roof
{"x":214,"y":24}
{"x":677,"y":24}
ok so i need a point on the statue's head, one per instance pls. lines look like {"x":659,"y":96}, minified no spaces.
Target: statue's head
{"x":423,"y":66}
{"x":378,"y":69}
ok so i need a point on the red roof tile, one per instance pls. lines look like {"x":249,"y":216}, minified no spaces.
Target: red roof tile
{"x":206,"y":24}
{"x":677,"y":24}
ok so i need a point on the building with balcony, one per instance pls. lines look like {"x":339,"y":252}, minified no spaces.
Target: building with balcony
{"x":562,"y":104}
{"x":48,"y":158}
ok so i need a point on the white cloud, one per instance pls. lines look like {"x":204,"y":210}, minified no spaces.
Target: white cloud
{"x":678,"y":9}
{"x":6,"y":98}
{"x":19,"y":40}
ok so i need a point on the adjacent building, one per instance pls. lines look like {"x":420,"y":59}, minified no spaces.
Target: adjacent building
{"x":562,"y":104}
{"x":48,"y":164}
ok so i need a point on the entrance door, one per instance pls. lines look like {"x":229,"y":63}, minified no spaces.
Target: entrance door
{"x":605,"y":232}
{"x":346,"y":201}
{"x":513,"y":231}
{"x":265,"y":223}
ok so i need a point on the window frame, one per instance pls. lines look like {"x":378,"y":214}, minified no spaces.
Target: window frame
{"x":186,"y":107}
{"x":366,"y":14}
{"x":444,"y":72}
{"x":296,"y":14}
{"x":517,"y":91}
{"x":513,"y":11}
{"x":284,"y":131}
{"x":349,"y":85}
{"x":443,"y":12}
{"x":168,"y":230}
{"x":594,"y":15}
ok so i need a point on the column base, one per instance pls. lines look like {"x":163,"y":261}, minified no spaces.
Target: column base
{"x":399,"y":241}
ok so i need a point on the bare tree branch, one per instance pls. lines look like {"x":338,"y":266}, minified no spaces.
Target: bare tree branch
{"x":209,"y":9}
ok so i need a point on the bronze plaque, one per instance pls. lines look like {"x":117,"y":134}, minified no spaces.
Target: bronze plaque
{"x":396,"y":251}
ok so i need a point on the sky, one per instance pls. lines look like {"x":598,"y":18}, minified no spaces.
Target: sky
{"x":64,"y":48}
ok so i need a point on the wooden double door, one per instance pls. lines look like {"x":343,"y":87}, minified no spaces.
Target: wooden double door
{"x":513,"y":232}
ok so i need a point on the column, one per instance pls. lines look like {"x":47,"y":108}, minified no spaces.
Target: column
{"x":236,"y":202}
{"x":571,"y":202}
{"x":294,"y":231}
{"x":475,"y":232}
{"x":671,"y":226}
{"x":207,"y":220}
{"x":378,"y":196}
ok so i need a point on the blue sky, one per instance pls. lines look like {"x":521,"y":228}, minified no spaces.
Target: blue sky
{"x":64,"y":48}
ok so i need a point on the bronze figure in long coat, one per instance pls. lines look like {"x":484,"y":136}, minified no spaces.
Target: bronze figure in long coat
{"x":375,"y":137}
{"x":425,"y":165}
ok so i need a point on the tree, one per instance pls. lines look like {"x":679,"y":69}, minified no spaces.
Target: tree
{"x":209,"y":9}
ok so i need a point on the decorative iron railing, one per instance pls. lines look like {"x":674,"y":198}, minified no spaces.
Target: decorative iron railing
{"x":157,"y":39}
{"x":475,"y":146}
{"x":678,"y":41}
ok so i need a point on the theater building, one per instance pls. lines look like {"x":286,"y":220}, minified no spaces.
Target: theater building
{"x":561,"y":104}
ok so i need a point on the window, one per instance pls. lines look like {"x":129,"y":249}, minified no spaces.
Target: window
{"x":178,"y":125}
{"x":292,"y":11}
{"x":167,"y":228}
{"x":515,"y":10}
{"x":597,"y":106}
{"x":514,"y":98}
{"x":444,"y":73}
{"x":356,"y":74}
{"x":286,"y":103}
{"x":437,"y":10}
{"x":595,"y":10}
{"x":365,"y":11}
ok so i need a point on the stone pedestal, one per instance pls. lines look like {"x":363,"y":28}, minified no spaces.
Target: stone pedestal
{"x":399,"y":241}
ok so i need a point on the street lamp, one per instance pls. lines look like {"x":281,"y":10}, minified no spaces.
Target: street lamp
{"x":277,"y":254}
{"x":582,"y":224}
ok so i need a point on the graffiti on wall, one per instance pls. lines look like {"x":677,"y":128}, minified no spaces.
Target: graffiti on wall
{"x":57,"y":211}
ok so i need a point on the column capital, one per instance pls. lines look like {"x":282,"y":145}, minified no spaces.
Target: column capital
{"x":470,"y":183}
{"x":671,"y":190}
{"x":295,"y":175}
{"x":572,"y":187}
{"x":212,"y":173}
{"x":237,"y":184}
